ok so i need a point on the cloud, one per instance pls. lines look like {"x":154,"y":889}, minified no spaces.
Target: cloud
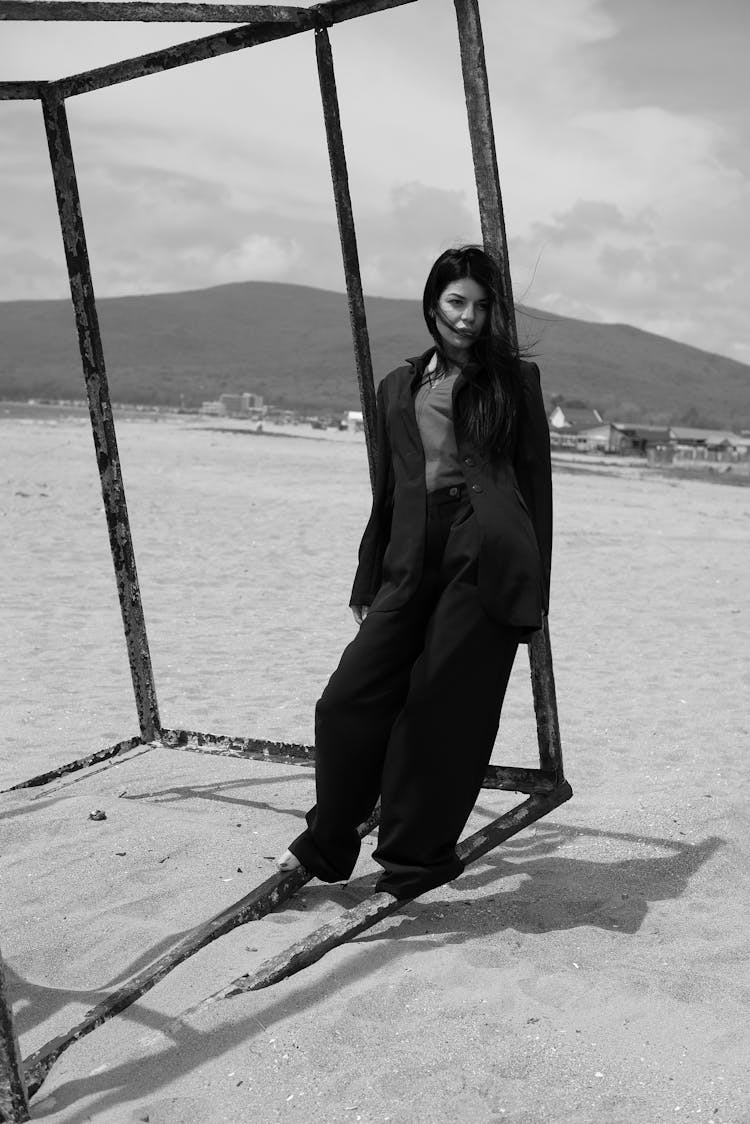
{"x":585,"y":220}
{"x":257,"y":256}
{"x":177,"y":231}
{"x":687,"y":286}
{"x":148,"y":227}
{"x":399,"y":242}
{"x":665,"y":244}
{"x":153,"y":224}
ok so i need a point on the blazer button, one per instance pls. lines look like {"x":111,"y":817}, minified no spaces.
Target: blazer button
{"x":476,"y":487}
{"x":470,"y":461}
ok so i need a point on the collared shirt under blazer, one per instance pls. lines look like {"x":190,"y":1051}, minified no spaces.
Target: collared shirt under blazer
{"x":511,"y":498}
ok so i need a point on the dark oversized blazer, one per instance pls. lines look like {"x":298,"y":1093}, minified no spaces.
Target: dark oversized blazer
{"x":512,"y":500}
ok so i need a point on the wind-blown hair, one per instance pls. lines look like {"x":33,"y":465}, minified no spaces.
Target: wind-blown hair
{"x":487,"y":408}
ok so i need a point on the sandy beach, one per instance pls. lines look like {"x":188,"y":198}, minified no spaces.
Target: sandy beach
{"x":594,"y":969}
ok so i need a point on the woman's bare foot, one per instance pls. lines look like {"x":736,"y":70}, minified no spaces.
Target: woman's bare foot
{"x":288,"y":861}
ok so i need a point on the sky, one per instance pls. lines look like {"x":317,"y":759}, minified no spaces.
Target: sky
{"x":622,"y":132}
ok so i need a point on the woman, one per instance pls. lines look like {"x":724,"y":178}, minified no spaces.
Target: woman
{"x":453,"y":572}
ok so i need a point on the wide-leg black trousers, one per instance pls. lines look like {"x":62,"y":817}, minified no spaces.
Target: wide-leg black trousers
{"x":411,"y":715}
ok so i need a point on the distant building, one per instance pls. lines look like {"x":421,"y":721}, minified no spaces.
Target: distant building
{"x":245,"y":405}
{"x":642,"y":438}
{"x":281,"y":416}
{"x":581,"y":429}
{"x":690,"y":437}
{"x":578,"y":428}
{"x":693,"y":445}
{"x":574,"y":418}
{"x":353,"y":420}
{"x":604,"y":438}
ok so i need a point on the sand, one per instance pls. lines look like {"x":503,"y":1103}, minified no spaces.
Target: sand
{"x":593,"y":969}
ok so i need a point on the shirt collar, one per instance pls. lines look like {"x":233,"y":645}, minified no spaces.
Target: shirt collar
{"x":426,"y":362}
{"x":420,"y":363}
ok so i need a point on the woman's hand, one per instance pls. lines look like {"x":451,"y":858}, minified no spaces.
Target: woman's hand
{"x":360,"y":612}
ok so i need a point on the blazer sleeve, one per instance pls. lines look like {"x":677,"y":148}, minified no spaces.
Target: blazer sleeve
{"x":532,"y":465}
{"x":378,"y":530}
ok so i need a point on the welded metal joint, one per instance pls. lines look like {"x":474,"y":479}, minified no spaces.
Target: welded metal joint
{"x":322,"y":15}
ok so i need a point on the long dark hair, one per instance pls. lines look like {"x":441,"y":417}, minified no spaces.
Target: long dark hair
{"x":487,"y":407}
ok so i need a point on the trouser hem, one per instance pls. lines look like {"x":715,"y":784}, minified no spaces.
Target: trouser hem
{"x":412,"y":883}
{"x":312,"y":858}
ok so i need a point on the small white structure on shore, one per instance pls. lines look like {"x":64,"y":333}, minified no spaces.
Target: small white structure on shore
{"x":574,"y":418}
{"x":353,"y":421}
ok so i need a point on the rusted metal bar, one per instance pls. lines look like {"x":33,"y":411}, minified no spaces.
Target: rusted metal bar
{"x":545,"y":702}
{"x":334,"y":11}
{"x":14,"y":1103}
{"x":254,"y":749}
{"x":510,"y":778}
{"x":348,"y":236}
{"x":143,"y":12}
{"x":21,"y":91}
{"x":100,"y":409}
{"x":481,"y":132}
{"x":74,"y":766}
{"x":196,"y":50}
{"x":378,"y":906}
{"x":222,"y":43}
{"x":259,"y":902}
{"x":479,"y":113}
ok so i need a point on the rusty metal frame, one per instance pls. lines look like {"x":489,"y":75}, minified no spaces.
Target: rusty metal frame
{"x":546,"y":786}
{"x":14,"y":1102}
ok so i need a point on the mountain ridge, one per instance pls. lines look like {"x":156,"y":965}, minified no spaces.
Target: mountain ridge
{"x":292,"y":343}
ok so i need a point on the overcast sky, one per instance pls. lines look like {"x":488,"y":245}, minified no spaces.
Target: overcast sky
{"x":623,"y":137}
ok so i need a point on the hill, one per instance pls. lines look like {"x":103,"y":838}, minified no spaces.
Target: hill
{"x":292,"y":344}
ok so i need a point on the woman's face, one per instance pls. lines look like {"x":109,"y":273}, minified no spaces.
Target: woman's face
{"x":461,"y":314}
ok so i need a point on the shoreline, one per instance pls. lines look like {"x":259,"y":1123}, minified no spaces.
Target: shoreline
{"x":734,"y":474}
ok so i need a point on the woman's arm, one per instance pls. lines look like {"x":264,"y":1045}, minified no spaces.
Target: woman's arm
{"x":378,"y":530}
{"x":533,"y":467}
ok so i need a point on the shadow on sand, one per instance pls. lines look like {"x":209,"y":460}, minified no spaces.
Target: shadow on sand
{"x":549,"y":893}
